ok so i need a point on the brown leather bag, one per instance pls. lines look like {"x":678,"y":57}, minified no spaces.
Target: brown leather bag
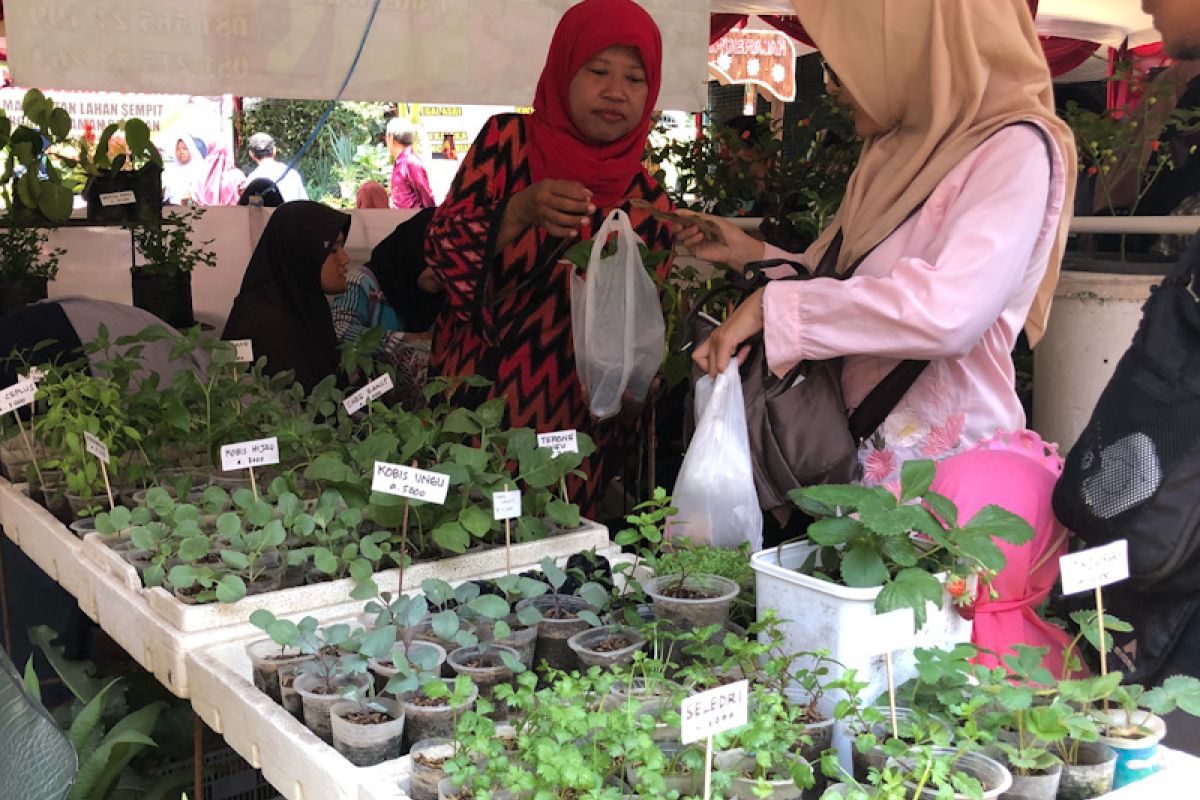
{"x":800,"y":433}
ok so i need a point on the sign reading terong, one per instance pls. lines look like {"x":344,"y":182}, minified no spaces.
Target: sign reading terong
{"x":763,"y":58}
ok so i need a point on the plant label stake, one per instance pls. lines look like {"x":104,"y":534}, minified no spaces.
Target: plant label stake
{"x":248,"y":455}
{"x":559,"y":441}
{"x":243,"y":351}
{"x":368,"y":394}
{"x":704,"y":715}
{"x":411,"y":484}
{"x":16,"y":397}
{"x":506,"y":506}
{"x":1094,"y":569}
{"x":100,"y":450}
{"x":889,"y":632}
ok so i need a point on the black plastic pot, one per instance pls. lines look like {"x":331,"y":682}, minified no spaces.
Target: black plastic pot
{"x":168,"y":297}
{"x":16,"y":294}
{"x":146,"y":185}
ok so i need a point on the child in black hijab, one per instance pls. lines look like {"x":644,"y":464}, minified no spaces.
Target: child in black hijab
{"x":281,"y":306}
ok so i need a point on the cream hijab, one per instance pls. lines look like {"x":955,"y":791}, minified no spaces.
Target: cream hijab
{"x":940,"y":76}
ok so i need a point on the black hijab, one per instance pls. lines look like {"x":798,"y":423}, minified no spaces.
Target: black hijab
{"x":397,"y":262}
{"x":281,"y":307}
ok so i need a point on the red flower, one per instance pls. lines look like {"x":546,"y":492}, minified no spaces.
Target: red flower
{"x":745,"y":135}
{"x":1155,"y":145}
{"x":1092,"y":170}
{"x":89,"y":131}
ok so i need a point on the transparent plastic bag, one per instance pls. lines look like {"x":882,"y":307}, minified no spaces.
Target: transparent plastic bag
{"x":616,"y":321}
{"x":715,"y":492}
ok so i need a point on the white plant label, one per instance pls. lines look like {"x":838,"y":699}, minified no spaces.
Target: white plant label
{"x":243,"y":455}
{"x":96,"y":447}
{"x":243,"y":350}
{"x":715,"y":711}
{"x":1096,"y":567}
{"x":33,"y":376}
{"x":889,"y":632}
{"x":559,"y":441}
{"x":117,"y":199}
{"x":368,"y":394}
{"x":19,"y":395}
{"x":410,"y":482}
{"x":506,"y":505}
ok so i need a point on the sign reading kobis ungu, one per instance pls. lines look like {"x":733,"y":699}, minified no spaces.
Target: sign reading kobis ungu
{"x":410,"y":482}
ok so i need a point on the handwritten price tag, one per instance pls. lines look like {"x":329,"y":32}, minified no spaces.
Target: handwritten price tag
{"x":1098,"y":566}
{"x":243,"y":350}
{"x":506,"y":505}
{"x":410,"y":482}
{"x":34,"y":375}
{"x":243,"y":455}
{"x":715,"y":711}
{"x":890,"y":632}
{"x":19,"y":395}
{"x":117,"y":199}
{"x":368,"y":394}
{"x":96,"y":447}
{"x":559,"y":441}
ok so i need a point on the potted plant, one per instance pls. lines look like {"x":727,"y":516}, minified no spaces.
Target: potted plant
{"x":27,"y":264}
{"x":763,"y":758}
{"x":561,"y":618}
{"x":124,"y":174}
{"x":34,"y":187}
{"x":162,"y":283}
{"x":432,"y":710}
{"x":1136,"y":728}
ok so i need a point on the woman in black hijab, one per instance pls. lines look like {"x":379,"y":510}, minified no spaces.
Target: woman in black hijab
{"x":281,"y":306}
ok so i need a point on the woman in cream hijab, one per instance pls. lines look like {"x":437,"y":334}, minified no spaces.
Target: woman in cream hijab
{"x":955,"y":212}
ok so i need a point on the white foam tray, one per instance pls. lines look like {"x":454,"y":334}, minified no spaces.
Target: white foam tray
{"x":297,"y":763}
{"x":48,"y":543}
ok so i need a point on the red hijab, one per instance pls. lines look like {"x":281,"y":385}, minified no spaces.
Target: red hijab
{"x":556,"y":148}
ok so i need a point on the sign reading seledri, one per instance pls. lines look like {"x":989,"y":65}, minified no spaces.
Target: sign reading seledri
{"x":410,"y":482}
{"x":243,"y":455}
{"x":1099,"y":566}
{"x":718,"y":710}
{"x":559,"y":441}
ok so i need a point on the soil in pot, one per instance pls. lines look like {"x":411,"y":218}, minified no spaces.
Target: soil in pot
{"x":289,"y":698}
{"x":367,"y":736}
{"x":995,"y":778}
{"x":559,"y":623}
{"x":486,"y":669}
{"x":1092,"y":774}
{"x":429,"y":759}
{"x":318,"y":699}
{"x":698,"y":601}
{"x":82,"y":527}
{"x":1136,"y":746}
{"x":606,"y":647}
{"x":426,"y":718}
{"x":266,"y":659}
{"x":743,"y":785}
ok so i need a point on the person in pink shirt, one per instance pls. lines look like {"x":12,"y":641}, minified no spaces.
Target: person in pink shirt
{"x":410,"y":184}
{"x":955,"y":216}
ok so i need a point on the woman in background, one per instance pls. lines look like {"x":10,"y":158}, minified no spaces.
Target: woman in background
{"x":223,"y":182}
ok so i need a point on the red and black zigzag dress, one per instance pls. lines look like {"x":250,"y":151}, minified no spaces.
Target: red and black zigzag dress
{"x":509,"y":318}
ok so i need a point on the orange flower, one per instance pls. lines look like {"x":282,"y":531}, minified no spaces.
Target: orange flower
{"x":1155,"y":145}
{"x":1092,"y":171}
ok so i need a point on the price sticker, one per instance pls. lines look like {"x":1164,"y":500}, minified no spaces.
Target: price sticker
{"x":96,"y":447}
{"x":117,"y":198}
{"x":243,"y":350}
{"x":559,"y":441}
{"x":706,"y":714}
{"x":506,"y":505}
{"x":889,"y":632}
{"x":410,"y":482}
{"x":243,"y":455}
{"x":368,"y":394}
{"x":1096,"y":567}
{"x":19,"y":395}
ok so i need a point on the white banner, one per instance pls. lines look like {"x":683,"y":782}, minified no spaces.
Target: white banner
{"x":429,"y":51}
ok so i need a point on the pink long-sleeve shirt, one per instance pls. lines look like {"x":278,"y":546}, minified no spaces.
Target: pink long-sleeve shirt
{"x":410,"y":184}
{"x":953,"y":285}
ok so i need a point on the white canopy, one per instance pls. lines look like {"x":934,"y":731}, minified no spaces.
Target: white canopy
{"x":1109,"y":22}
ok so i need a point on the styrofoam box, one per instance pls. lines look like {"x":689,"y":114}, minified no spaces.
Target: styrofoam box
{"x":297,"y":763}
{"x":820,"y":615}
{"x":48,"y":543}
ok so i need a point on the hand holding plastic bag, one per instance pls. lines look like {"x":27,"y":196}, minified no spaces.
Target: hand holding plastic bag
{"x":715,"y":492}
{"x":616,"y":320}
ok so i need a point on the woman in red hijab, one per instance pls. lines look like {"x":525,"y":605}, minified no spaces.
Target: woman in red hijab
{"x":529,"y":187}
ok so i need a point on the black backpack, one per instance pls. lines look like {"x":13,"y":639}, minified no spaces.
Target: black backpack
{"x":1135,"y":471}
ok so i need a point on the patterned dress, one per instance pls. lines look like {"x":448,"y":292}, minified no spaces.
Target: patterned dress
{"x":508,"y":318}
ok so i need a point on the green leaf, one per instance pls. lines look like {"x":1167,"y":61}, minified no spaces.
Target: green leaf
{"x":76,"y":676}
{"x":563,"y":513}
{"x":915,"y":479}
{"x":900,"y":551}
{"x":1002,"y":524}
{"x":85,"y":724}
{"x":451,"y":536}
{"x":379,"y":642}
{"x":839,"y":495}
{"x":490,"y":606}
{"x":594,"y":594}
{"x":475,"y":520}
{"x":862,"y":567}
{"x":183,"y":576}
{"x":55,"y":201}
{"x":529,"y":616}
{"x":325,"y":561}
{"x":471,"y":458}
{"x":835,"y":531}
{"x":944,"y":508}
{"x":142,"y":538}
{"x":461,"y":421}
{"x":229,"y":524}
{"x":911,"y":588}
{"x":235,"y":559}
{"x":230,"y":589}
{"x":193,"y":548}
{"x":99,"y":771}
{"x":445,"y":624}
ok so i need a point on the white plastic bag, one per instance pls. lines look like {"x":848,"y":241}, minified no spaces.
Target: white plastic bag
{"x":616,"y":321}
{"x":714,"y":492}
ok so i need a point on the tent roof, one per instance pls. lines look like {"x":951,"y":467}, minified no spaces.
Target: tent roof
{"x":1106,"y":21}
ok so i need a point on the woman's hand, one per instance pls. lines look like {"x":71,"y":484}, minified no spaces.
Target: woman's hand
{"x":746,"y":320}
{"x":735,"y":248}
{"x":558,"y":206}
